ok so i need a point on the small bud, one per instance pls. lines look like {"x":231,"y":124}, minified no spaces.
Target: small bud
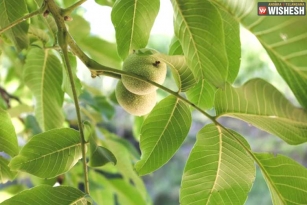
{"x":68,"y":18}
{"x":46,"y":13}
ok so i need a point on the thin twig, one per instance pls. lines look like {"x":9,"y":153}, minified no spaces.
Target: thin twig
{"x":62,"y":40}
{"x":98,"y":69}
{"x":68,"y":10}
{"x":21,"y":19}
{"x":7,"y":97}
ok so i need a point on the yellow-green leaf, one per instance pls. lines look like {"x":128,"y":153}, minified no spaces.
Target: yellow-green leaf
{"x":260,"y":104}
{"x":286,"y":179}
{"x":218,"y":171}
{"x":43,"y":75}
{"x":8,"y":137}
{"x":133,"y":20}
{"x":49,"y":154}
{"x":162,"y":133}
{"x":5,"y":173}
{"x":9,"y":12}
{"x":284,"y":41}
{"x":199,"y":28}
{"x":49,"y":195}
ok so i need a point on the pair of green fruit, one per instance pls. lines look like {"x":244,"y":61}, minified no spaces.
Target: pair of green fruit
{"x":138,"y":97}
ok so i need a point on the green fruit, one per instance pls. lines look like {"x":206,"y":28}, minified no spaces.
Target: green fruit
{"x":135,"y":104}
{"x":148,"y":67}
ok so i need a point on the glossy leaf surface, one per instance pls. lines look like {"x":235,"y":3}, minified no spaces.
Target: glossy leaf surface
{"x":218,"y":171}
{"x":260,"y":104}
{"x":43,"y":75}
{"x":44,"y":194}
{"x":286,"y":179}
{"x":162,"y":133}
{"x":8,"y":136}
{"x":49,"y":154}
{"x":133,"y":20}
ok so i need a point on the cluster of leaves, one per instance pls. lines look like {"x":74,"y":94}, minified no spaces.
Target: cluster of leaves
{"x":204,"y":58}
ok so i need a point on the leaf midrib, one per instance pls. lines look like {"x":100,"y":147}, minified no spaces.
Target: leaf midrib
{"x":280,"y":57}
{"x":78,"y":200}
{"x":286,"y":120}
{"x":51,"y":153}
{"x":132,"y":28}
{"x":191,"y":36}
{"x":219,"y":162}
{"x":255,"y":159}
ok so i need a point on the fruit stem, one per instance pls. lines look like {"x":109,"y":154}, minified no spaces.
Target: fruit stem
{"x":98,"y":69}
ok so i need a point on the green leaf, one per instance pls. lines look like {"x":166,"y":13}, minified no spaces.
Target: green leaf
{"x":103,"y":52}
{"x":105,"y":2}
{"x":259,"y":103}
{"x":199,"y":28}
{"x":88,"y":130}
{"x":49,"y":154}
{"x":8,"y":136}
{"x":31,"y":125}
{"x":44,"y":23}
{"x":162,"y":133}
{"x":286,"y":179}
{"x":19,"y":109}
{"x":130,"y":146}
{"x":137,"y":125}
{"x":9,"y":12}
{"x":39,"y":34}
{"x":285,"y":41}
{"x":124,"y":164}
{"x":43,"y":75}
{"x":3,"y":104}
{"x":175,"y":47}
{"x":126,"y":193}
{"x":100,"y":103}
{"x":5,"y":173}
{"x":66,"y":86}
{"x":183,"y":76}
{"x":50,"y":27}
{"x":74,"y":28}
{"x":99,"y":155}
{"x":47,"y":195}
{"x":218,"y":170}
{"x":232,"y":43}
{"x":202,"y":94}
{"x":101,"y":195}
{"x":133,"y":20}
